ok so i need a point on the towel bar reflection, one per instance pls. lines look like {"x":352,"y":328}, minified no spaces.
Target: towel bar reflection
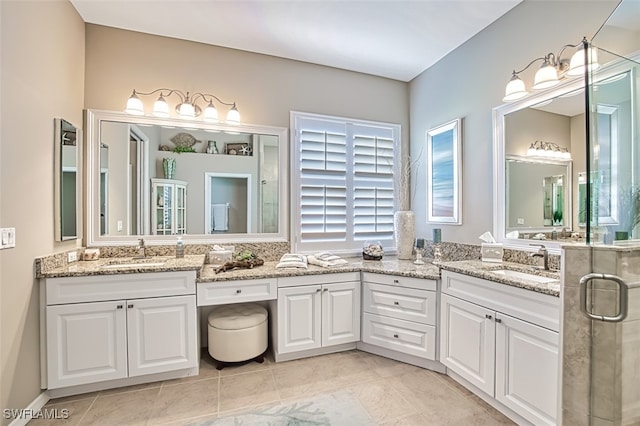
{"x":220,"y":217}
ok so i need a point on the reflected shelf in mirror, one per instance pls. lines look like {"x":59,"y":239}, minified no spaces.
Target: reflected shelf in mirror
{"x":149,"y":177}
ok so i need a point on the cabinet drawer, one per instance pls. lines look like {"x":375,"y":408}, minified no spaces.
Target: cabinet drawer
{"x":398,"y":281}
{"x":402,"y":303}
{"x":336,"y":277}
{"x":399,"y":335}
{"x":97,"y":288}
{"x":220,"y":293}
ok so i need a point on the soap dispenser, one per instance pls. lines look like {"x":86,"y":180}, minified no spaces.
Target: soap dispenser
{"x":179,"y":248}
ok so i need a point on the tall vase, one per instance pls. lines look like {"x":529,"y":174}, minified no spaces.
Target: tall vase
{"x":404,"y":227}
{"x":169,"y":167}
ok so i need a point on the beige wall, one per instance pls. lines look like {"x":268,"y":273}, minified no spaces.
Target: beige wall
{"x":470,"y":81}
{"x":42,"y":78}
{"x":265,"y":88}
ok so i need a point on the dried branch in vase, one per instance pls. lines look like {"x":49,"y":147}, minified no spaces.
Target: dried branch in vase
{"x":406,"y":194}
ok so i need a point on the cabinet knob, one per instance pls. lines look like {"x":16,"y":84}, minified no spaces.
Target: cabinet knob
{"x":130,"y":306}
{"x":395,"y":336}
{"x":487,"y":316}
{"x":119,"y":307}
{"x":238,"y":291}
{"x":396,"y":281}
{"x":326,"y":289}
{"x":318,"y":290}
{"x":498,"y":320}
{"x":395,"y":302}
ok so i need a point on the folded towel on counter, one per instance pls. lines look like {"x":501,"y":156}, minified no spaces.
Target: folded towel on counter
{"x":290,"y":260}
{"x":326,"y":260}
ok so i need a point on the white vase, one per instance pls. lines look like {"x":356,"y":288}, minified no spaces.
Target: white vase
{"x":404,"y":228}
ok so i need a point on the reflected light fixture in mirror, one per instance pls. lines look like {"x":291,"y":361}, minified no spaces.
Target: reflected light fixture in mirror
{"x":552,"y":69}
{"x":548,"y":150}
{"x":187,"y":108}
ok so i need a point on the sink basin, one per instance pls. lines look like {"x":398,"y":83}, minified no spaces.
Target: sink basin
{"x":524,"y":276}
{"x":133,"y":263}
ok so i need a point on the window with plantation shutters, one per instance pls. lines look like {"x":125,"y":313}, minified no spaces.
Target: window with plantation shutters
{"x":342,"y":182}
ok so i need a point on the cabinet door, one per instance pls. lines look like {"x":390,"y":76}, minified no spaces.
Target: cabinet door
{"x":527,"y":369}
{"x":299,"y":318}
{"x":467,"y":341}
{"x":161,"y":334}
{"x":86,"y":343}
{"x":340,"y":313}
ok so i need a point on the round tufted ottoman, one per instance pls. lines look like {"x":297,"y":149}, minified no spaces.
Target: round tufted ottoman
{"x":237,"y":333}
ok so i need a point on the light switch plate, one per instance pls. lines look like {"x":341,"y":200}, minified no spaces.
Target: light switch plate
{"x":8,"y":238}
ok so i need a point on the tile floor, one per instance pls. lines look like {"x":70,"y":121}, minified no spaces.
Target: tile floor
{"x":393,"y":393}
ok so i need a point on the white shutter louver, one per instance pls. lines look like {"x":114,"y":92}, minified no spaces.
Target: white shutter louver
{"x":345,"y":182}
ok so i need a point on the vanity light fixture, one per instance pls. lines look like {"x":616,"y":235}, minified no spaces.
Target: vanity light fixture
{"x":187,"y":107}
{"x":548,"y":150}
{"x":553,"y":68}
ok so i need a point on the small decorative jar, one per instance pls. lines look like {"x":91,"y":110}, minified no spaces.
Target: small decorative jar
{"x":372,"y":251}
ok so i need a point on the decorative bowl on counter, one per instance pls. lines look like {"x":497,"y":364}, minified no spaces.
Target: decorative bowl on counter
{"x":372,"y":251}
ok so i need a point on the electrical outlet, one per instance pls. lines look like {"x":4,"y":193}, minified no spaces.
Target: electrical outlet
{"x":520,"y":221}
{"x":72,"y":256}
{"x":7,"y":238}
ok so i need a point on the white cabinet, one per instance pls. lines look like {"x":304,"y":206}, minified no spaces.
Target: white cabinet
{"x":94,"y":341}
{"x":169,"y":207}
{"x":510,"y":359}
{"x":400,"y":314}
{"x":318,"y":313}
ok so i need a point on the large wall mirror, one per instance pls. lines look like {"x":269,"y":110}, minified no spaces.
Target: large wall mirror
{"x":538,"y":197}
{"x":160,"y":178}
{"x":67,"y":180}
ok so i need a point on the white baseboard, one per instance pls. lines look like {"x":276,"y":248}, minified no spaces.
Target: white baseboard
{"x":33,"y":408}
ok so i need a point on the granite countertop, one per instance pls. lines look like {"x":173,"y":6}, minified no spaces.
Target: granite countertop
{"x":269,"y":270}
{"x":487,"y":271}
{"x":406,"y":268}
{"x":126,"y":265}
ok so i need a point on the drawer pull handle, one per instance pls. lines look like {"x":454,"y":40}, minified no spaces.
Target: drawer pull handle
{"x":395,"y":336}
{"x":238,"y":291}
{"x":498,"y":320}
{"x":487,"y":316}
{"x":396,"y":281}
{"x":130,"y":306}
{"x":119,"y":307}
{"x":326,"y":289}
{"x":395,"y":302}
{"x":318,"y":290}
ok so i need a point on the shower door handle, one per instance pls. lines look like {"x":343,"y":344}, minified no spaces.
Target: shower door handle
{"x":623,"y":297}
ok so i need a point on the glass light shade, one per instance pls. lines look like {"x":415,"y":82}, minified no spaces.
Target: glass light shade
{"x":547,"y":76}
{"x":210,"y":113}
{"x":233,"y":116}
{"x":187,"y":110}
{"x":161,"y":108}
{"x":515,"y":89}
{"x":576,"y":66}
{"x":134,"y":105}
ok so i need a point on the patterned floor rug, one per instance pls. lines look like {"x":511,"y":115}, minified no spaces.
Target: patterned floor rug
{"x":337,"y":409}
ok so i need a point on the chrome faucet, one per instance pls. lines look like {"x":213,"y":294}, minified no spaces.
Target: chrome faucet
{"x":543,"y":253}
{"x":141,"y":249}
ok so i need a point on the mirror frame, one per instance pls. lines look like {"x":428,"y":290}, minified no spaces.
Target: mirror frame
{"x":93,"y":120}
{"x":57,"y":171}
{"x":499,"y":163}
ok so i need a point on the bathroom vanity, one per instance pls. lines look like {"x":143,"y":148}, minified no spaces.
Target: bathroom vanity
{"x":494,"y":328}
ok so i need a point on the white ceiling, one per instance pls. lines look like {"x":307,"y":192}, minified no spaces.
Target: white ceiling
{"x":397,"y":39}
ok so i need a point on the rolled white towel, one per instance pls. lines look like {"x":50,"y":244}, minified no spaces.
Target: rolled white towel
{"x":289,"y":260}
